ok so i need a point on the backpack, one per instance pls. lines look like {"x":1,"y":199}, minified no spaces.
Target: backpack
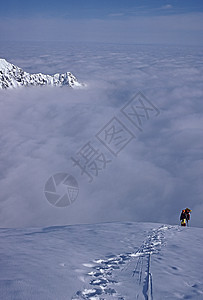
{"x":183,"y":222}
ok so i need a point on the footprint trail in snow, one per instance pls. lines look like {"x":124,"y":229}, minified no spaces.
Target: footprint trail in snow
{"x":103,"y":282}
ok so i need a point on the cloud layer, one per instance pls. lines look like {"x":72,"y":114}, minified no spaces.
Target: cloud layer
{"x":152,"y":179}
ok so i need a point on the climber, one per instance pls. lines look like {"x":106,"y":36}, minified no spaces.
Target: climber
{"x":187,"y":212}
{"x":183,"y":218}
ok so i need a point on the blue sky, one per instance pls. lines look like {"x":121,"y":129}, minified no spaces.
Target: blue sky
{"x":141,"y":21}
{"x":97,"y":9}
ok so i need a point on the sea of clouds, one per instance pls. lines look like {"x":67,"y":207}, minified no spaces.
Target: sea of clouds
{"x":152,"y":179}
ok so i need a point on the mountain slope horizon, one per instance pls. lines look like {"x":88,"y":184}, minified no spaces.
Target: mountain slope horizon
{"x":102,"y":261}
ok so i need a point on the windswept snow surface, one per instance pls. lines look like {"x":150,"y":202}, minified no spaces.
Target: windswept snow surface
{"x":122,"y":261}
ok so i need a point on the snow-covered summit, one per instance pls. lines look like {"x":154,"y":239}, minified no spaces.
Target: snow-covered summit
{"x":4,"y":64}
{"x":12,"y":76}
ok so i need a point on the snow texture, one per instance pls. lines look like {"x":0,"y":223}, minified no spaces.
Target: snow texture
{"x":12,"y":76}
{"x":121,"y":261}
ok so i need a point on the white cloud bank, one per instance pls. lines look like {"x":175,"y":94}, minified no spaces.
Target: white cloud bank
{"x":153,"y":178}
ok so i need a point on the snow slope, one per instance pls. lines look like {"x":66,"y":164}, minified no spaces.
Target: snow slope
{"x":12,"y":76}
{"x":103,"y":261}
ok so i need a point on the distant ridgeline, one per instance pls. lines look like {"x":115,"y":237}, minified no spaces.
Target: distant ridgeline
{"x":12,"y":76}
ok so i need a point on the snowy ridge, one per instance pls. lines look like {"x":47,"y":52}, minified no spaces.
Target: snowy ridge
{"x":12,"y":76}
{"x":102,"y":281}
{"x":121,"y":261}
